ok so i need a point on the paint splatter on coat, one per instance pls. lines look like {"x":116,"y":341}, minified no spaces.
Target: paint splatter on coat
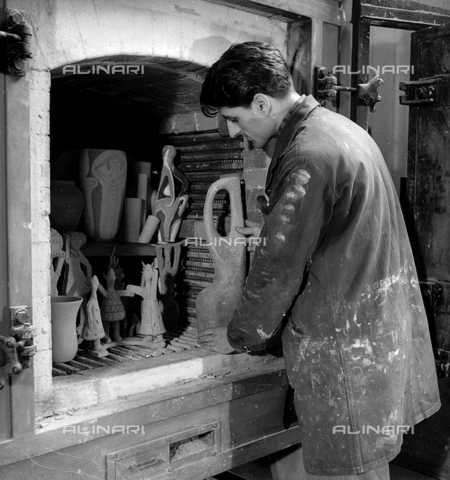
{"x":338,"y":261}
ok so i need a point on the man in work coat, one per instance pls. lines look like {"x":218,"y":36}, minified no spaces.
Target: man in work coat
{"x":337,"y":260}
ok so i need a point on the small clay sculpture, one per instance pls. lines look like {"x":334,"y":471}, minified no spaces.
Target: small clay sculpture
{"x":58,"y":256}
{"x":93,"y":330}
{"x":112,"y":309}
{"x":77,"y":272}
{"x":151,"y":319}
{"x":168,"y":207}
{"x":215,"y":304}
{"x":168,"y":258}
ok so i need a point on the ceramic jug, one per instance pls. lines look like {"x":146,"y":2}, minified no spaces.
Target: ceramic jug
{"x":66,"y":206}
{"x":216,"y":303}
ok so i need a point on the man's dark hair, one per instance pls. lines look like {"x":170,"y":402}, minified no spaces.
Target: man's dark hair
{"x":244,"y":70}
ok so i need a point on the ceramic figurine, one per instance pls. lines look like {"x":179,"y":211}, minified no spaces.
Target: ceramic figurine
{"x":119,"y":283}
{"x":112,"y":309}
{"x":167,"y":270}
{"x":77,"y":272}
{"x":151,"y":319}
{"x":103,"y":176}
{"x":168,"y":207}
{"x":58,"y":256}
{"x":216,"y":303}
{"x":93,"y":330}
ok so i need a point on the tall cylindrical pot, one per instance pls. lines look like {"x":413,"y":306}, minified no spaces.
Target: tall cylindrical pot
{"x":103,"y":175}
{"x":66,"y":206}
{"x":216,"y":303}
{"x":64,"y":329}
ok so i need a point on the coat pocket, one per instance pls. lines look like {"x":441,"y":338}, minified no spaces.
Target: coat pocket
{"x":295,"y":348}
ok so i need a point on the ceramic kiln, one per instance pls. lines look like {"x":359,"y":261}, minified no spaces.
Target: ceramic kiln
{"x":137,"y":371}
{"x":185,"y":412}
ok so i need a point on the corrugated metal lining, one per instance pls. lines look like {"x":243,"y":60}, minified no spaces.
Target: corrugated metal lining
{"x":180,"y":340}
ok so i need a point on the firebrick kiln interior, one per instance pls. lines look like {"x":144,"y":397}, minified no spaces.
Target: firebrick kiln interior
{"x":122,"y":112}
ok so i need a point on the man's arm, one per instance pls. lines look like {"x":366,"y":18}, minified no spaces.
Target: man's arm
{"x":291,"y":234}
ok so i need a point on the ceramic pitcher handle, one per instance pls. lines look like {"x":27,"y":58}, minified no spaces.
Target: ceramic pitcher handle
{"x":233,"y":186}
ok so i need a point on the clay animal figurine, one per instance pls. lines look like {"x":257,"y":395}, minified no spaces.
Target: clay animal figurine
{"x":93,"y":330}
{"x":112,"y":309}
{"x":168,"y":207}
{"x":151,"y":319}
{"x":77,"y":272}
{"x":168,"y":258}
{"x":216,"y":303}
{"x":58,"y":256}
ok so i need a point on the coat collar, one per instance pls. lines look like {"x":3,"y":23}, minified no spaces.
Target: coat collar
{"x":288,"y":130}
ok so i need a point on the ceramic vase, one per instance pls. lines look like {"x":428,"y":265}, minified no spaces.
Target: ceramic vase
{"x":132,"y":219}
{"x":103,"y":176}
{"x":64,"y":332}
{"x":150,"y":227}
{"x":66,"y":206}
{"x":137,"y":186}
{"x":216,"y":303}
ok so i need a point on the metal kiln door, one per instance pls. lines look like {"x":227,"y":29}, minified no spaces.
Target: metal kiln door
{"x":428,"y":96}
{"x":17,"y":396}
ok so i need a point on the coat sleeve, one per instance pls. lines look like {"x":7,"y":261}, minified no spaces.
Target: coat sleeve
{"x":291,"y":235}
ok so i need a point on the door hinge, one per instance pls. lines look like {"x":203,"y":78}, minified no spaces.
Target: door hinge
{"x":16,"y":43}
{"x":16,"y":351}
{"x":421,"y":92}
{"x":326,"y":88}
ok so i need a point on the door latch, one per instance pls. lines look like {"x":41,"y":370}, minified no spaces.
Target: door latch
{"x":17,"y":37}
{"x":16,"y":351}
{"x":326,"y":88}
{"x":421,"y":92}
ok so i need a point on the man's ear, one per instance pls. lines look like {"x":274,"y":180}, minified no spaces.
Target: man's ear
{"x":262,"y":103}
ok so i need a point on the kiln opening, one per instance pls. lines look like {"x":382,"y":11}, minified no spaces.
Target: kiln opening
{"x":135,"y":106}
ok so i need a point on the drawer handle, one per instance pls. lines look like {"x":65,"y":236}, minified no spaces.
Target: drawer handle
{"x":142,"y":466}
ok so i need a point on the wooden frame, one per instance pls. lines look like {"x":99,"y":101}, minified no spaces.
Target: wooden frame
{"x":305,"y":19}
{"x":16,"y":176}
{"x":403,"y":14}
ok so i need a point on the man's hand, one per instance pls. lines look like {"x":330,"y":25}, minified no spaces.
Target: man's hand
{"x":215,"y":339}
{"x":251,"y":230}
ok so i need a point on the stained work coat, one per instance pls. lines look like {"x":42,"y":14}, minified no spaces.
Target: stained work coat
{"x":337,"y":260}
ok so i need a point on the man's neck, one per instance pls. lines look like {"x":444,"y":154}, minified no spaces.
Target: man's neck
{"x":282,"y":106}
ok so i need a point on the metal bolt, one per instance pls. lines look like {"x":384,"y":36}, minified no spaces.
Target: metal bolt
{"x":20,"y":315}
{"x":422,"y":92}
{"x":431,"y":91}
